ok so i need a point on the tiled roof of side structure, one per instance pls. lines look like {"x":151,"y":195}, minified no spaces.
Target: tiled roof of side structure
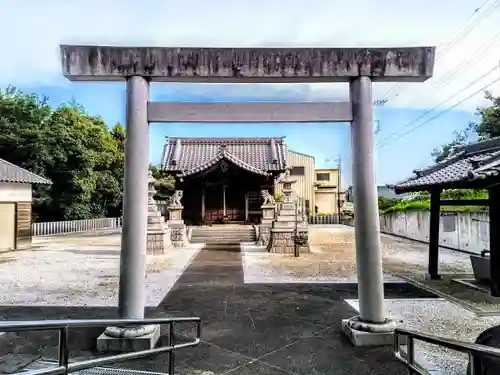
{"x":192,"y":155}
{"x":468,"y":163}
{"x":12,"y":173}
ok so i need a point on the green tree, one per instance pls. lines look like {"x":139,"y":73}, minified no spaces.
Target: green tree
{"x":82,"y":157}
{"x":489,"y":126}
{"x":384,"y":203}
{"x":460,"y":138}
{"x":164,"y":184}
{"x":23,"y":137}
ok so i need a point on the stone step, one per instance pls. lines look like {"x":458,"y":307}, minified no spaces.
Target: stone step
{"x":224,"y":229}
{"x":222,"y":233}
{"x":220,"y":240}
{"x":234,"y":240}
{"x":232,"y":235}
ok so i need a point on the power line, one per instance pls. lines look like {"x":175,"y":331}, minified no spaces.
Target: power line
{"x":445,"y":111}
{"x":478,"y":9}
{"x":467,"y":31}
{"x":478,"y":53}
{"x":474,"y":81}
{"x":450,"y":44}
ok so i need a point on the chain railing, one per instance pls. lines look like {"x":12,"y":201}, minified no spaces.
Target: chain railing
{"x":408,"y":338}
{"x":65,"y":367}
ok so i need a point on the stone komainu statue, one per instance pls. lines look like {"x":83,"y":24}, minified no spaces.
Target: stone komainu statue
{"x":175,"y":200}
{"x":268,"y":198}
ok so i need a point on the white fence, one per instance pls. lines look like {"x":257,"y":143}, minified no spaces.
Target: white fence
{"x":324,"y":219}
{"x":74,"y":226}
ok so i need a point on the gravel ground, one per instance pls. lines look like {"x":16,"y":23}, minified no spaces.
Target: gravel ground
{"x":333,"y":259}
{"x":81,"y":270}
{"x":441,"y":318}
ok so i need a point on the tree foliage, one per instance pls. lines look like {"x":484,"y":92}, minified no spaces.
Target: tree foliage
{"x":164,"y":184}
{"x":460,"y":138}
{"x":76,"y":151}
{"x":384,"y":202}
{"x":487,"y":127}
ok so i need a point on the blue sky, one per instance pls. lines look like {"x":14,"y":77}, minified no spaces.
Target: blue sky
{"x":40,"y":26}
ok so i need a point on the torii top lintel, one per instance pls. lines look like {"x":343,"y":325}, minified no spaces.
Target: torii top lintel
{"x":245,"y":65}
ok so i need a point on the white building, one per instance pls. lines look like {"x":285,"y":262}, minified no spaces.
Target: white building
{"x":15,"y":205}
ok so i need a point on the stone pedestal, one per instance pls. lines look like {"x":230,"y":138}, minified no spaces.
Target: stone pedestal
{"x":268,"y":213}
{"x":119,"y":339}
{"x":362,"y":333}
{"x":178,"y":235}
{"x":158,"y":235}
{"x":288,"y":224}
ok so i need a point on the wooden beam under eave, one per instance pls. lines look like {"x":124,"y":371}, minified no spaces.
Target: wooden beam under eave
{"x":264,"y":112}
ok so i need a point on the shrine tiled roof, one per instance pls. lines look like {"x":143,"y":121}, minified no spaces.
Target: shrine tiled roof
{"x":14,"y":174}
{"x":465,"y":165}
{"x":188,"y":156}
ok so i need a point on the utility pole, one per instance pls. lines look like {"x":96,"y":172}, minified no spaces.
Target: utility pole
{"x":339,"y":161}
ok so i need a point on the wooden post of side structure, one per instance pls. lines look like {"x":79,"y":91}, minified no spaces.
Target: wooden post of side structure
{"x":494,"y":212}
{"x":435,"y":209}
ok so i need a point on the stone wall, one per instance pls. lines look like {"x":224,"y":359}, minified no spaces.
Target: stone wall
{"x":462,"y":231}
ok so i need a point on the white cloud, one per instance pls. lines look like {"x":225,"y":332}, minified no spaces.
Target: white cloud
{"x":33,"y":30}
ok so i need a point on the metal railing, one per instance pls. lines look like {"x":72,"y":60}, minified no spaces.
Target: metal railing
{"x":75,"y":226}
{"x":408,"y":358}
{"x":65,"y":367}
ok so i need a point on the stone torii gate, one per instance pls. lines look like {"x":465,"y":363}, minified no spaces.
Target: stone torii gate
{"x":139,"y":66}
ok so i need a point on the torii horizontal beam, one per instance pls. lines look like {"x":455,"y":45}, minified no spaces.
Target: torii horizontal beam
{"x":240,"y":65}
{"x":250,"y":112}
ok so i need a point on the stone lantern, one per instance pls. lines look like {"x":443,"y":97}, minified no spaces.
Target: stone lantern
{"x":158,"y":237}
{"x":288,"y":226}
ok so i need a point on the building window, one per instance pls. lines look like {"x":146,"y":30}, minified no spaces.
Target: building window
{"x":322,"y":176}
{"x":297,"y":171}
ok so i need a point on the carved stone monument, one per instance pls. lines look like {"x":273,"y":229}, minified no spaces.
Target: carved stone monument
{"x":158,"y":234}
{"x":268,"y":213}
{"x":288,"y":226}
{"x":175,"y":223}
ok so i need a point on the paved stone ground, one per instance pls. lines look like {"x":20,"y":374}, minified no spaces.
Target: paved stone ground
{"x":247,"y":328}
